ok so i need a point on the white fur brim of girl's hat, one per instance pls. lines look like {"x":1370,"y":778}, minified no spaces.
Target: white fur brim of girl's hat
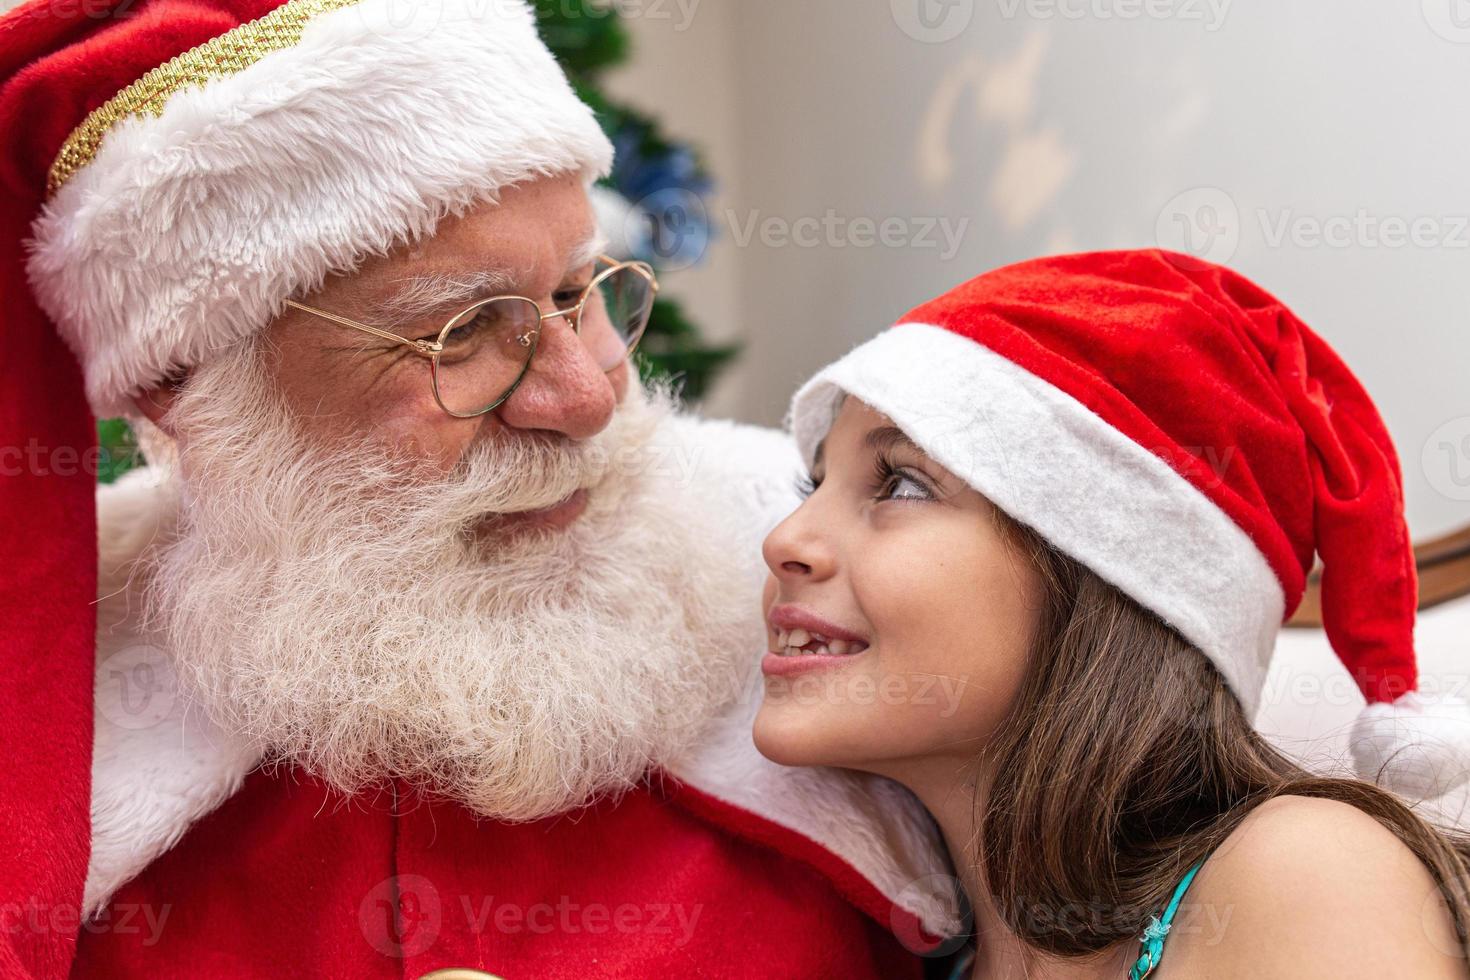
{"x":1178,"y":431}
{"x":193,"y":221}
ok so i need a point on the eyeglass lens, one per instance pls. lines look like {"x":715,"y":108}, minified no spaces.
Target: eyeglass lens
{"x":488,"y":346}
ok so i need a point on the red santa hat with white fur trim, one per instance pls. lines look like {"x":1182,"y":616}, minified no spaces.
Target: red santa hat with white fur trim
{"x":208,"y":161}
{"x":1179,"y":431}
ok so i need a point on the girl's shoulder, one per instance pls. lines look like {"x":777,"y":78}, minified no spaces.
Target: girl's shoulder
{"x":1309,"y":887}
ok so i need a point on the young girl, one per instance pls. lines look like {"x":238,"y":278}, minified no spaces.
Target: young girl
{"x":1086,"y":491}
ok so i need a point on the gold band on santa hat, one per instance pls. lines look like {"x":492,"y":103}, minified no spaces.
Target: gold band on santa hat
{"x":222,"y":56}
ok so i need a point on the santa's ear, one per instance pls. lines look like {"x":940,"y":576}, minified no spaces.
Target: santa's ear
{"x":154,"y":403}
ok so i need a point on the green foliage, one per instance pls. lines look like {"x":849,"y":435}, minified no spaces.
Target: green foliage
{"x":672,"y":348}
{"x":587,"y":38}
{"x":119,"y":449}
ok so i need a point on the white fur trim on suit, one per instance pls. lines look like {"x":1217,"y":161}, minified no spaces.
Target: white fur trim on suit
{"x":189,"y":231}
{"x":158,"y":766}
{"x":872,"y":823}
{"x":1053,"y":464}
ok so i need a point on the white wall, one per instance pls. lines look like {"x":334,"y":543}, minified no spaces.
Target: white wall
{"x":1054,"y":125}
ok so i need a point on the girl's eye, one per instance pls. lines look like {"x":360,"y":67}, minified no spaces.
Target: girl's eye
{"x":900,"y":486}
{"x":806,"y":486}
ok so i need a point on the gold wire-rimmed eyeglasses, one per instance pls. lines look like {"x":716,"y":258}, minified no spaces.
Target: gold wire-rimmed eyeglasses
{"x":481,"y":356}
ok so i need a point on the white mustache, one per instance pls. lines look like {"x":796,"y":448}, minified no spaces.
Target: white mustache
{"x":520,"y":475}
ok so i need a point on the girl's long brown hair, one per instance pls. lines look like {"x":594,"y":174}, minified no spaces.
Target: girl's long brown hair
{"x":1127,"y":759}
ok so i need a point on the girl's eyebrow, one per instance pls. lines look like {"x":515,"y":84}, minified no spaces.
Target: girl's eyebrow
{"x":887,"y":437}
{"x":884,"y":438}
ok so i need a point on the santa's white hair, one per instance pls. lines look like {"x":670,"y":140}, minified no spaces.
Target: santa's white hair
{"x":334,"y":607}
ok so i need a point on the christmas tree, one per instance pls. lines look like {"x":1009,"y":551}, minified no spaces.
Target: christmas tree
{"x":653,"y":199}
{"x":657,"y":187}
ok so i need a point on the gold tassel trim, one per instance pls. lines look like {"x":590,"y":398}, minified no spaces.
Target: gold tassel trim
{"x":220,"y":57}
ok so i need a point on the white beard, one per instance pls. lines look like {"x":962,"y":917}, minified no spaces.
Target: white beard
{"x":332,"y":608}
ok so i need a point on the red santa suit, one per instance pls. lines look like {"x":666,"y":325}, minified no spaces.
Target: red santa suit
{"x":723,"y":865}
{"x":199,"y":863}
{"x":174,"y":171}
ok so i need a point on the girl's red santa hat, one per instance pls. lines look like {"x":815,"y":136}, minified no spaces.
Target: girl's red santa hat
{"x":1179,"y":431}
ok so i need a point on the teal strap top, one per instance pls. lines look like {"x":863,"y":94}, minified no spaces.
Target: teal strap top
{"x":1152,"y":939}
{"x":1158,"y":928}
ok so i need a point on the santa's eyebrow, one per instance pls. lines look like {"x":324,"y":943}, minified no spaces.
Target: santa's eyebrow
{"x":587,"y":253}
{"x":438,"y":293}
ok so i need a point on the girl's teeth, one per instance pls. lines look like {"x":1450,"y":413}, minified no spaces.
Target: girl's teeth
{"x":790,"y":643}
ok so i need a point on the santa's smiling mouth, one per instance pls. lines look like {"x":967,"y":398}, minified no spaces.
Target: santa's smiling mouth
{"x":555,"y":517}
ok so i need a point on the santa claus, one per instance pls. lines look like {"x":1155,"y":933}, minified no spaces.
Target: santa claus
{"x":428,"y":644}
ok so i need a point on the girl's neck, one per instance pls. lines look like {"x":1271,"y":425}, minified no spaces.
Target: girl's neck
{"x":954,"y":793}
